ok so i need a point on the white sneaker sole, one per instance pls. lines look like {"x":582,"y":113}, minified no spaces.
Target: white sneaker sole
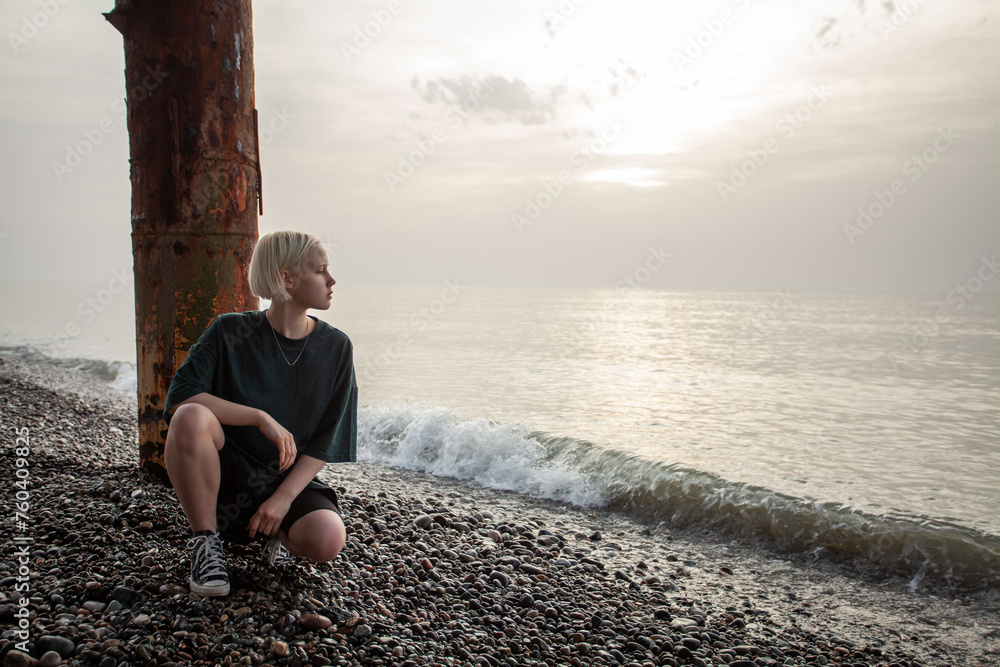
{"x":209,"y":591}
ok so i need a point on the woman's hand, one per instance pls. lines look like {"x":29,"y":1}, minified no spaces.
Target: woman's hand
{"x":269,"y":516}
{"x":280,"y":436}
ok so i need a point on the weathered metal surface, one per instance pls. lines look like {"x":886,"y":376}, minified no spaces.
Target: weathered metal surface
{"x":195,"y":182}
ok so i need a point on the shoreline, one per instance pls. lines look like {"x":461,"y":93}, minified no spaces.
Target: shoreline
{"x":407,"y":591}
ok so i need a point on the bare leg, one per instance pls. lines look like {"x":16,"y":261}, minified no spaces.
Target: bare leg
{"x":318,"y":536}
{"x":192,"y":458}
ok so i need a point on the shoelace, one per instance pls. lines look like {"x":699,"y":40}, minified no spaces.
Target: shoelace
{"x":208,"y":554}
{"x":277,"y":553}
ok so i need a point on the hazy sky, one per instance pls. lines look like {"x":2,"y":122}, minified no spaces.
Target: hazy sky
{"x":708,"y":145}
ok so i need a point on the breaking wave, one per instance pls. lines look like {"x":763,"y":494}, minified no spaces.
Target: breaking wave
{"x":514,"y":458}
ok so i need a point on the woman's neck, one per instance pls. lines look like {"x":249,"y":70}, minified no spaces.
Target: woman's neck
{"x":290,"y":321}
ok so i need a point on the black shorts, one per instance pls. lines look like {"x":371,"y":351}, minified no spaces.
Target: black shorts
{"x":309,"y":500}
{"x":237,"y":503}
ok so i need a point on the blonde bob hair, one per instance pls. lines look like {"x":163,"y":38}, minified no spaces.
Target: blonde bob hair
{"x":274,"y":253}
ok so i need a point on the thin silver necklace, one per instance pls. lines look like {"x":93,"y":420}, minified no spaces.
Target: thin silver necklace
{"x":282,"y":352}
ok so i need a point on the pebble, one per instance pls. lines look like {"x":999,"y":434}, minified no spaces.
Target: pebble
{"x":18,"y":659}
{"x":124,"y":595}
{"x":501,"y":578}
{"x":314,"y":622}
{"x":50,"y":659}
{"x":682,"y":624}
{"x":60,"y":645}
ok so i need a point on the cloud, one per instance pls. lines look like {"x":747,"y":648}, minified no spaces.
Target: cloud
{"x":828,"y":23}
{"x":825,"y":35}
{"x":624,"y":77}
{"x":495,"y":98}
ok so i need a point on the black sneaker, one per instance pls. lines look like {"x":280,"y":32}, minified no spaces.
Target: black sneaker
{"x":208,"y":572}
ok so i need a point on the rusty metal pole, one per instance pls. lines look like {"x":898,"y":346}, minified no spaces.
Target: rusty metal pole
{"x":195,"y":173}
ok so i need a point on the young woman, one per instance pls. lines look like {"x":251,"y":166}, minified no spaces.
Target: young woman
{"x":263,"y":400}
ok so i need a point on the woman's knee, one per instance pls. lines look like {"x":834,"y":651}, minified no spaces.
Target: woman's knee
{"x":336,"y":540}
{"x":325,"y":552}
{"x":321,"y":538}
{"x":191,"y":424}
{"x":328,"y":546}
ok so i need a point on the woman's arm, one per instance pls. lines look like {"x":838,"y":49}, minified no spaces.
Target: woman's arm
{"x":227,"y":412}
{"x":303,"y":472}
{"x":234,"y":414}
{"x":272,"y":511}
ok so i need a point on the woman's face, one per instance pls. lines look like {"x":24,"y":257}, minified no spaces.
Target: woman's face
{"x":312,"y":286}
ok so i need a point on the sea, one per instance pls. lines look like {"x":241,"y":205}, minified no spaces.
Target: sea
{"x":859,"y":427}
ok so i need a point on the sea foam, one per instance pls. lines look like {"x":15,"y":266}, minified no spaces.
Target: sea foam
{"x":499,"y":456}
{"x":512,"y":457}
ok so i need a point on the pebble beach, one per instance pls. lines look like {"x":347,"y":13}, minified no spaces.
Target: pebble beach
{"x":435,"y":572}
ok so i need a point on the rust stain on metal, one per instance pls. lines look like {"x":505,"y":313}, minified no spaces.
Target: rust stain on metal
{"x":195,"y":184}
{"x":240,"y":200}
